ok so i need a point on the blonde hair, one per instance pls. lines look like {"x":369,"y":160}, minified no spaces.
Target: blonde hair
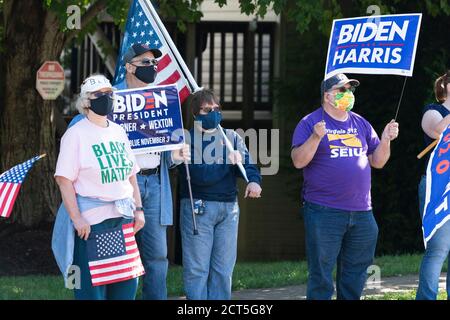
{"x":440,"y":87}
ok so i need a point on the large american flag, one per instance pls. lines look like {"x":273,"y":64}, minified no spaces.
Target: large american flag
{"x":142,"y":28}
{"x":113,"y":255}
{"x":10,"y":182}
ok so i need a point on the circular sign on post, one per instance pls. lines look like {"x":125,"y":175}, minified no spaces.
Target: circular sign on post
{"x":50,"y":80}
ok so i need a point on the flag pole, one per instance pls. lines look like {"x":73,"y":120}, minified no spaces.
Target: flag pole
{"x":191,"y":82}
{"x":195,"y":88}
{"x":231,"y":149}
{"x":400,"y":100}
{"x":188,"y":178}
{"x":40,"y":157}
{"x":428,"y":148}
{"x":172,"y":46}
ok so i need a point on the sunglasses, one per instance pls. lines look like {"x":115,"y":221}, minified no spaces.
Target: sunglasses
{"x":344,"y":89}
{"x":147,"y":62}
{"x":99,"y":94}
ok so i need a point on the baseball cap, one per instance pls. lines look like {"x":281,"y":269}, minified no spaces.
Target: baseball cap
{"x":94,"y":83}
{"x":338,"y":80}
{"x":137,"y":49}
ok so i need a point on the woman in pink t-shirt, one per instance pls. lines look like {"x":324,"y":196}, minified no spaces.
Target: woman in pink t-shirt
{"x":96,"y":173}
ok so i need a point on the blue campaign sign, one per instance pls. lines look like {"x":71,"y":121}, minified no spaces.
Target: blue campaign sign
{"x":436,"y":211}
{"x":374,"y":45}
{"x":151,"y":116}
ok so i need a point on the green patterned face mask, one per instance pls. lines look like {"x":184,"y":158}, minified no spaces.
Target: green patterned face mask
{"x":344,"y":101}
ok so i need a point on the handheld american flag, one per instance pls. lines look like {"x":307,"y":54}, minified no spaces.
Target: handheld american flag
{"x":113,"y":255}
{"x":10,"y":182}
{"x":143,"y":27}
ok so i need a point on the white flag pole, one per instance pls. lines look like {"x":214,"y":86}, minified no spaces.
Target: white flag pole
{"x":186,"y":70}
{"x":172,"y":46}
{"x":231,"y":149}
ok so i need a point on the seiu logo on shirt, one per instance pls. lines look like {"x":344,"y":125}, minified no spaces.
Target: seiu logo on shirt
{"x":344,"y":144}
{"x":113,"y":160}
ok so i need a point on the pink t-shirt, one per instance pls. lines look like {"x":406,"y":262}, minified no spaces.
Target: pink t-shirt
{"x":99,"y":162}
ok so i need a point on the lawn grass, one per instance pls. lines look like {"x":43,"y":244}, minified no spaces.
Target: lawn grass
{"x":409,"y":295}
{"x":247,"y":275}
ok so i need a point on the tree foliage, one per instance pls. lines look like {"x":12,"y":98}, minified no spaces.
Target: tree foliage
{"x":303,"y":13}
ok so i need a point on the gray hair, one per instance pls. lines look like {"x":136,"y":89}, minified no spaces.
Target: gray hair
{"x":82,"y":104}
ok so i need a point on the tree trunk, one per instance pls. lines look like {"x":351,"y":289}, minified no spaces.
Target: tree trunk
{"x":32,"y":36}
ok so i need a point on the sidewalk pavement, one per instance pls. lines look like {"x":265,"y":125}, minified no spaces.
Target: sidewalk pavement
{"x":387,"y":285}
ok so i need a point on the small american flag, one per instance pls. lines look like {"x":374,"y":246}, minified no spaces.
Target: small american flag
{"x":142,"y":28}
{"x":10,"y":182}
{"x":113,"y":255}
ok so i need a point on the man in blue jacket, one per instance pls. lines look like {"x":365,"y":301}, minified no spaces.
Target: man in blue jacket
{"x":209,"y":257}
{"x":153,"y":180}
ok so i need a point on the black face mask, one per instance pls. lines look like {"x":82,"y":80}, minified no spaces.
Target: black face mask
{"x":103,"y":105}
{"x":146,"y":74}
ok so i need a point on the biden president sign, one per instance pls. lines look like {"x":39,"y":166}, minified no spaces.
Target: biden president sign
{"x":151,"y":116}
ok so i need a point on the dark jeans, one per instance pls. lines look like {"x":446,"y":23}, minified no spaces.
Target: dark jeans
{"x":345,"y":238}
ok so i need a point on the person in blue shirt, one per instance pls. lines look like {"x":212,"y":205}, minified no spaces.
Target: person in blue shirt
{"x":153,"y":180}
{"x":209,"y":257}
{"x":435,"y":119}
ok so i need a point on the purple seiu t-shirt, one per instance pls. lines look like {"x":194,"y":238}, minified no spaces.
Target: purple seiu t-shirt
{"x":339,"y":175}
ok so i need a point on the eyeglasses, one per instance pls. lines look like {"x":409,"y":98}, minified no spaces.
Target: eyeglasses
{"x":212,"y":108}
{"x":146,"y":62}
{"x":99,"y":94}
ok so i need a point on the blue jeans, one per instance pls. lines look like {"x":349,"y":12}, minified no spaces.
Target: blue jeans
{"x":152,"y":240}
{"x":124,"y":290}
{"x":210,"y":256}
{"x":438,"y":248}
{"x":345,"y":238}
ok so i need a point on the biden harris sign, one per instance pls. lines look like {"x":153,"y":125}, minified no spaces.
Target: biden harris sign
{"x":374,"y":45}
{"x":151,"y":117}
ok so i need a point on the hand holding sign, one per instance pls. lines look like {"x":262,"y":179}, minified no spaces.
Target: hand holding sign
{"x":183,"y":154}
{"x":390,"y":132}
